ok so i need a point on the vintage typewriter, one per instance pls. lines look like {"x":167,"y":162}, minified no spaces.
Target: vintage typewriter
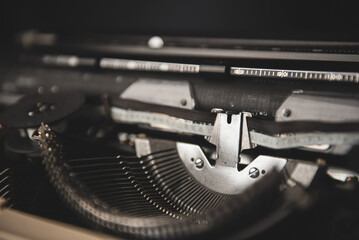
{"x":178,"y":132}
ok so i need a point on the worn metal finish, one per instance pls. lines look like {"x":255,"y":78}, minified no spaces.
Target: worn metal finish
{"x":168,"y":93}
{"x":226,"y":136}
{"x":224,"y":179}
{"x":306,"y":106}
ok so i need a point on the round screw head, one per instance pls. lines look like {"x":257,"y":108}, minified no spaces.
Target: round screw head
{"x":199,"y":163}
{"x":253,"y":172}
{"x":183,"y":102}
{"x":286,"y":112}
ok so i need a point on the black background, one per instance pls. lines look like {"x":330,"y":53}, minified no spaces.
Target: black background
{"x":301,"y":20}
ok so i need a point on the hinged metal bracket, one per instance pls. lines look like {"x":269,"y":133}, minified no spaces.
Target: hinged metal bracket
{"x":231,"y":136}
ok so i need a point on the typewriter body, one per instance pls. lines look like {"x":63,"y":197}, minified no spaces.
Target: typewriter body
{"x":169,"y":130}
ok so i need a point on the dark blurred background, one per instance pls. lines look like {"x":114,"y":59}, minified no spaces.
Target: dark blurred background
{"x":301,"y":20}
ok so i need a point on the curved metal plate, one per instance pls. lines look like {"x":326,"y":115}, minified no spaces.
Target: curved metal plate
{"x":226,"y":180}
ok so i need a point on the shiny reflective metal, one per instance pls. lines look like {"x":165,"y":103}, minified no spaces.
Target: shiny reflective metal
{"x":253,"y":172}
{"x":230,"y":135}
{"x":341,"y":174}
{"x":224,"y":179}
{"x":168,"y":93}
{"x":148,"y":66}
{"x":309,"y":106}
{"x":199,"y":163}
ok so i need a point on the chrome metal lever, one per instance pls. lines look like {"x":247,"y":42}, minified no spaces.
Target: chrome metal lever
{"x":230,"y":135}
